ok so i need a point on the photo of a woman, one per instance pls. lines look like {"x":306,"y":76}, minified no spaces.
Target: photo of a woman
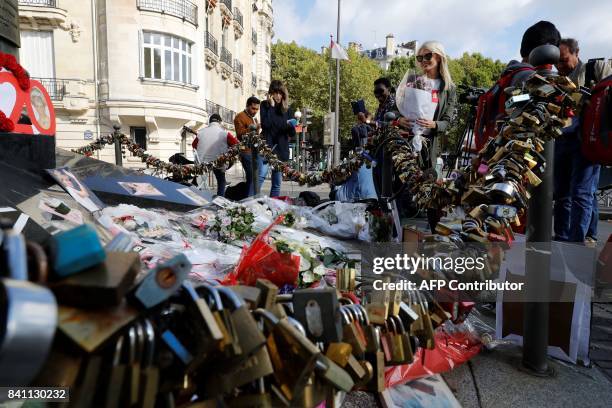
{"x":76,"y":189}
{"x":41,"y":110}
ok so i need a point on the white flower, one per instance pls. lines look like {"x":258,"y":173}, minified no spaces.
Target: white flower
{"x":226,"y":221}
{"x":308,"y":277}
{"x":319,"y":270}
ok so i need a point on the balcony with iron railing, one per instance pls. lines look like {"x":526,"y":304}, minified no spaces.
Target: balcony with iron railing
{"x":253,"y":80}
{"x":227,"y":115}
{"x":227,"y":4}
{"x":38,"y":3}
{"x":226,"y":56}
{"x":210,"y":42}
{"x":56,"y":88}
{"x":238,"y":67}
{"x":238,"y":17}
{"x":254,"y":37}
{"x":184,"y":9}
{"x":34,"y":13}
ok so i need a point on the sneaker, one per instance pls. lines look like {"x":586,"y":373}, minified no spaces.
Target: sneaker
{"x":590,"y":242}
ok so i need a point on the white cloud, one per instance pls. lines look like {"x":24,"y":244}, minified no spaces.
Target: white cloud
{"x":491,"y":27}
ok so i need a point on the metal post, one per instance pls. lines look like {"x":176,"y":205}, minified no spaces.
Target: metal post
{"x":118,"y":155}
{"x":387,"y":174}
{"x":537,"y":266}
{"x":337,"y":124}
{"x":304,"y":164}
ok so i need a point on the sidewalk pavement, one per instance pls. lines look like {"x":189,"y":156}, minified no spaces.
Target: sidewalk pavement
{"x":288,"y":188}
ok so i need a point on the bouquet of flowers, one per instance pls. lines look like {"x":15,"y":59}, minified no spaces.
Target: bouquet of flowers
{"x":415,"y":101}
{"x":232,"y":224}
{"x":312,"y":268}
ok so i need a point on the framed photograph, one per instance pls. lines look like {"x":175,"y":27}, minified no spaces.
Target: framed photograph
{"x":140,"y":189}
{"x":193,"y":196}
{"x":76,"y":189}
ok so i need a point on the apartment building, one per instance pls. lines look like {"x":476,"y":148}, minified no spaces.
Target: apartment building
{"x":384,"y":55}
{"x":149,"y":66}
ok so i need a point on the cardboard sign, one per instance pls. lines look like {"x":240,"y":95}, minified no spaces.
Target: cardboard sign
{"x":34,"y":103}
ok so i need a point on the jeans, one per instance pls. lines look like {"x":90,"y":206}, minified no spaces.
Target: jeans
{"x":592,"y":231}
{"x":574,"y":177}
{"x":277,"y":178}
{"x":359,"y":186}
{"x":247,"y":164}
{"x":220,"y":176}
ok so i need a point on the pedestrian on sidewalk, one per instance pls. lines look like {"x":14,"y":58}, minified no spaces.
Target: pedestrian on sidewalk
{"x":210,"y":143}
{"x":576,"y":178}
{"x":278,"y":126}
{"x":242,"y":122}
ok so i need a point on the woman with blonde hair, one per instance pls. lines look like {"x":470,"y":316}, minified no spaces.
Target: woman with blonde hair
{"x":433,"y":61}
{"x":277,"y":125}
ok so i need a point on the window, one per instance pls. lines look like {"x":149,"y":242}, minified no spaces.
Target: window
{"x":36,"y":53}
{"x":166,"y":57}
{"x":139,"y":136}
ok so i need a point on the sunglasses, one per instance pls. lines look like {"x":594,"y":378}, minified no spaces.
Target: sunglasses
{"x":426,"y":57}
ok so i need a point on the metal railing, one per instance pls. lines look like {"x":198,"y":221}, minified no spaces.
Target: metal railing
{"x":184,"y":9}
{"x":254,"y":37}
{"x":226,"y":56}
{"x":238,"y":67}
{"x":38,"y":3}
{"x":254,"y":80}
{"x":227,"y":115}
{"x":238,"y":16}
{"x":228,"y":4}
{"x":211,"y":43}
{"x":56,"y":88}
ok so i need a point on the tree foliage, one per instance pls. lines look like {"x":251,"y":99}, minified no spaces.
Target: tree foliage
{"x":308,"y":75}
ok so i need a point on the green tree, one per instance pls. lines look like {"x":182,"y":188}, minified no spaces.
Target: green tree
{"x":309,"y":74}
{"x":398,"y":68}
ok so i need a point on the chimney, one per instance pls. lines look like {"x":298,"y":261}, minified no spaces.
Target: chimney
{"x":390,"y":45}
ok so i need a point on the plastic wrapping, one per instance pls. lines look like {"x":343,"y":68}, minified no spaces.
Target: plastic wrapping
{"x":262,"y":260}
{"x":452,"y":348}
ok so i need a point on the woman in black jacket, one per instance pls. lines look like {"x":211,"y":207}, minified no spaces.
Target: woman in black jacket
{"x":277,"y":125}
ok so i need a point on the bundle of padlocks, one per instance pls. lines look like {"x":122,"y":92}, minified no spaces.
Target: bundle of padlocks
{"x":495,"y":189}
{"x":128,"y":337}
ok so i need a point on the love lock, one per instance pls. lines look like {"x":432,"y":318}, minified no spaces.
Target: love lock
{"x":30,"y":316}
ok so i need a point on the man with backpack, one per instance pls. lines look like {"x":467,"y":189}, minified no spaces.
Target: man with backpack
{"x":576,"y":178}
{"x":491,"y":105}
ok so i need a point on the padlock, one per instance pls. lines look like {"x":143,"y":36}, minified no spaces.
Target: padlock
{"x":377,"y":361}
{"x":91,"y":328}
{"x":346,"y":279}
{"x":29,"y":318}
{"x":409,"y":343}
{"x":293,"y":355}
{"x":229,"y":344}
{"x":333,"y":374}
{"x":149,"y":380}
{"x":250,"y":294}
{"x":339,"y":353}
{"x":13,"y":256}
{"x":231,"y":375}
{"x":261,"y":399}
{"x":162,"y":281}
{"x":88,"y":387}
{"x":351,"y":334}
{"x":269,"y":291}
{"x":103,"y":285}
{"x":378,"y":307}
{"x":206,"y":331}
{"x":177,"y":347}
{"x":394,"y":341}
{"x":249,"y":336}
{"x":319,"y":312}
{"x":136,"y":344}
{"x":115,"y":389}
{"x":75,"y":250}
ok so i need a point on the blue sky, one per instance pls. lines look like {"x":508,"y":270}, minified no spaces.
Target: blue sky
{"x":492,"y":27}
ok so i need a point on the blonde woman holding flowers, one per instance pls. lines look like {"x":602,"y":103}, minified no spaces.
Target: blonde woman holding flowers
{"x":436,"y":79}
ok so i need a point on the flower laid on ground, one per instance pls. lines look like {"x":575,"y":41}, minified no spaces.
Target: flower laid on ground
{"x":232,"y":224}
